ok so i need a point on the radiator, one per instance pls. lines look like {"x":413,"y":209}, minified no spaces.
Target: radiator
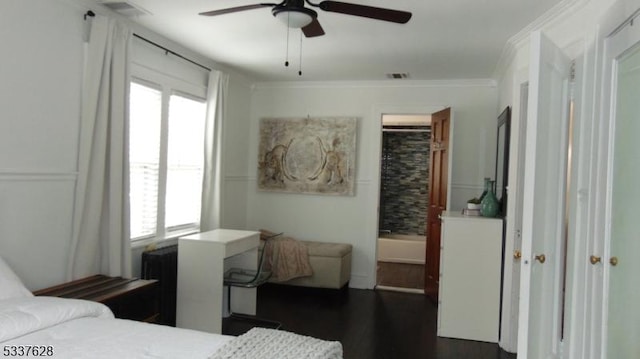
{"x":162,"y":264}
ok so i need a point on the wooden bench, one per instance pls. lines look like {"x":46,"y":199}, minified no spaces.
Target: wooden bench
{"x":128,"y":298}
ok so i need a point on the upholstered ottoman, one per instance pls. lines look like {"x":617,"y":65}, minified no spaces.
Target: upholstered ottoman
{"x":331,"y":264}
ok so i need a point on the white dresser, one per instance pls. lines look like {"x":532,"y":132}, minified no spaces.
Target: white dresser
{"x":202,"y":260}
{"x":470,"y":262}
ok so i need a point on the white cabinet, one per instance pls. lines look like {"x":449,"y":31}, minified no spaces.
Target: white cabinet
{"x":470,"y":262}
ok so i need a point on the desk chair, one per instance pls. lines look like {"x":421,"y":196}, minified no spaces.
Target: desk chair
{"x":248,"y":278}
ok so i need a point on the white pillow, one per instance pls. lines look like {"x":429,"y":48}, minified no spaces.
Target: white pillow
{"x":10,"y":285}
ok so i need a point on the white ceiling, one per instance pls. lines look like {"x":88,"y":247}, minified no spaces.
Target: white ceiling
{"x":444,"y":40}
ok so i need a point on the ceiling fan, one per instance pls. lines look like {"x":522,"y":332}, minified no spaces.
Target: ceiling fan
{"x":294,"y":14}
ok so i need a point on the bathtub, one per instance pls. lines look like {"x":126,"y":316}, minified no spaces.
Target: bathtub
{"x":401,"y":248}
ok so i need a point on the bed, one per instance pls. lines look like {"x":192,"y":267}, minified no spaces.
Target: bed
{"x":35,"y":327}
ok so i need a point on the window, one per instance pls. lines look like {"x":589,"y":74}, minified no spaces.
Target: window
{"x":185,"y":162}
{"x":167,"y":115}
{"x":166,"y":155}
{"x":144,"y":158}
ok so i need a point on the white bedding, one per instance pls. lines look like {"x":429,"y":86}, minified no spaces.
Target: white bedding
{"x":83,"y":329}
{"x":72,"y":328}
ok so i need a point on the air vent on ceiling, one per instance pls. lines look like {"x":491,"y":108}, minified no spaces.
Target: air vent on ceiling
{"x":126,"y":8}
{"x":398,"y":75}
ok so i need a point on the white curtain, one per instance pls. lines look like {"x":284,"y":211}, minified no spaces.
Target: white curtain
{"x":211,"y":187}
{"x":100,"y":242}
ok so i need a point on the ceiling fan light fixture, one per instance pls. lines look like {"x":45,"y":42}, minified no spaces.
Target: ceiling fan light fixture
{"x":295,"y":18}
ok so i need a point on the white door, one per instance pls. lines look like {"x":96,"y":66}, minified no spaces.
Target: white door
{"x":513,"y":244}
{"x":542,"y":265}
{"x":518,"y":198}
{"x":622,"y":244}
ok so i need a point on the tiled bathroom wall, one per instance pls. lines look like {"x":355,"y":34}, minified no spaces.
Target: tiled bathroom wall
{"x":404,"y":182}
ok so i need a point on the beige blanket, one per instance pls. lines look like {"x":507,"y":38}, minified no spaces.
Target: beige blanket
{"x":286,"y":257}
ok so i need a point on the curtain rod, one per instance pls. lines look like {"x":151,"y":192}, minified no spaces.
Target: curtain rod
{"x":92,"y":14}
{"x":171,"y":52}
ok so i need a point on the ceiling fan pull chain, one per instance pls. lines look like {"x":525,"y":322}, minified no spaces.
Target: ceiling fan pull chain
{"x":286,"y":60}
{"x":300,"y":63}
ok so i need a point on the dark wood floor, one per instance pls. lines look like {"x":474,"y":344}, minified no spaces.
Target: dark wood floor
{"x":401,"y":275}
{"x":369,"y":324}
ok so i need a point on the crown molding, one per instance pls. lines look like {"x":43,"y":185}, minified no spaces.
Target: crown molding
{"x":376,"y":84}
{"x":553,"y":16}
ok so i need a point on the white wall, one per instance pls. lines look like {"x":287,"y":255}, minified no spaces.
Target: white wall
{"x":41,"y":72}
{"x":40,"y":92}
{"x":354,"y":219}
{"x":236,"y":154}
{"x":40,"y":101}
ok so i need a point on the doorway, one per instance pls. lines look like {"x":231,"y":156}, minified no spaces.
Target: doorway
{"x":403,"y":202}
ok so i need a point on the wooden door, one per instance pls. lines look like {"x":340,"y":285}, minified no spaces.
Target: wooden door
{"x":438,"y":182}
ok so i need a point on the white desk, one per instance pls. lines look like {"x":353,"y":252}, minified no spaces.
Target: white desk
{"x":202,"y":259}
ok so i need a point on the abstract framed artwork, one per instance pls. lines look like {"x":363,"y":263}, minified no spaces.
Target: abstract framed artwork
{"x":307,"y":155}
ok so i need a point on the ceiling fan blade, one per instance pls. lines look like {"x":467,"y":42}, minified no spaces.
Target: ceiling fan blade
{"x":313,"y":29}
{"x":235,"y":9}
{"x":401,"y":17}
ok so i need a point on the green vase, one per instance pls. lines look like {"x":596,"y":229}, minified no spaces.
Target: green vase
{"x":487,"y":186}
{"x":489,"y":204}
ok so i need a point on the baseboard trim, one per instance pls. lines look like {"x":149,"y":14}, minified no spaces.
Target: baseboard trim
{"x":400,"y":289}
